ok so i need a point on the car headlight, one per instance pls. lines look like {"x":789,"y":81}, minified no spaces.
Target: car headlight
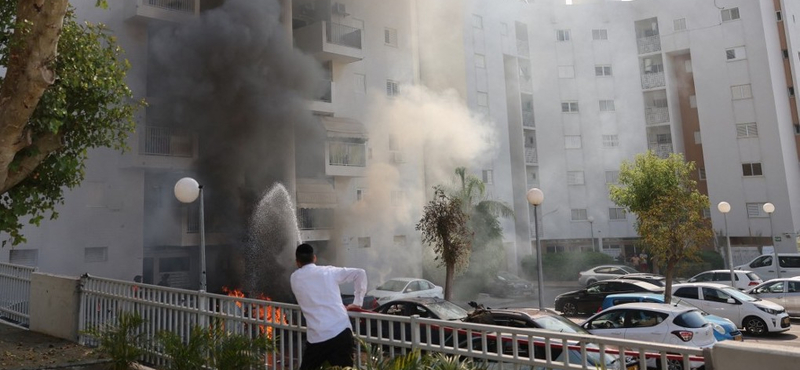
{"x":718,"y":328}
{"x":768,"y":310}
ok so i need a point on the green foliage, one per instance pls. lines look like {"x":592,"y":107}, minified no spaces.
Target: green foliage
{"x":123,"y":342}
{"x":564,"y":266}
{"x":414,"y":360}
{"x":214,"y":348}
{"x":88,"y":106}
{"x":189,"y":355}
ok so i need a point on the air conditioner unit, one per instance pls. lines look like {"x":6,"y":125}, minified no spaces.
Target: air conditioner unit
{"x":339,"y":8}
{"x":397,"y":157}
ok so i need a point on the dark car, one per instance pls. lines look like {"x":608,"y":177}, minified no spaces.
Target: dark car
{"x":370,"y":302}
{"x":589,"y":299}
{"x":524,"y":318}
{"x":425,"y":307}
{"x":506,"y":284}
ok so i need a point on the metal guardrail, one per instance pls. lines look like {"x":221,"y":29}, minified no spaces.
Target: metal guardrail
{"x":186,"y":6}
{"x":178,"y":310}
{"x":15,"y":293}
{"x":649,"y":44}
{"x":167,"y":141}
{"x":347,"y":154}
{"x":340,"y":34}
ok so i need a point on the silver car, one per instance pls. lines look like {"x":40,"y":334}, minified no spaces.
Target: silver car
{"x":604,"y":272}
{"x":783,"y":291}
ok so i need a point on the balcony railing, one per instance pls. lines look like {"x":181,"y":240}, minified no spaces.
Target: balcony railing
{"x":654,"y":115}
{"x":649,"y":44}
{"x":343,"y":35}
{"x":531,"y":156}
{"x":661,"y":150}
{"x":527,"y":119}
{"x":653,"y":80}
{"x":187,"y":6}
{"x":167,"y":141}
{"x":347,"y":154}
{"x":523,"y":49}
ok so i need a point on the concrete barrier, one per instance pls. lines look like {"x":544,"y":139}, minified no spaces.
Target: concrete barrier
{"x":55,"y":305}
{"x":731,"y":355}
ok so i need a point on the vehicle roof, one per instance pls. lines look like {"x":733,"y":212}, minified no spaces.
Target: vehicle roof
{"x":642,"y":284}
{"x":654,"y":307}
{"x":607,"y":266}
{"x":406,"y":279}
{"x":532,"y":312}
{"x":635,"y":295}
{"x":421,"y":300}
{"x":710,"y":285}
{"x":724,"y":270}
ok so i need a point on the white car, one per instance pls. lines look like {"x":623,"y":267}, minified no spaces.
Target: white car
{"x":405,"y":288}
{"x":604,"y":272}
{"x":755,"y":315}
{"x":783,"y":291}
{"x":764,"y":265}
{"x":744,"y":279}
{"x":655,"y":322}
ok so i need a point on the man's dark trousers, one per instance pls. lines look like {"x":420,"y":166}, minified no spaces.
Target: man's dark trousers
{"x":337,"y":351}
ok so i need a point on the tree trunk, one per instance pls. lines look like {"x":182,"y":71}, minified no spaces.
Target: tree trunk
{"x":669,"y":276}
{"x":30,"y":72}
{"x":448,"y":280}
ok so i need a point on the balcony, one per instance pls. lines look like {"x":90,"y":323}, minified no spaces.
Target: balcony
{"x":531,"y":157}
{"x":523,"y":49}
{"x":661,"y":150}
{"x":656,"y":115}
{"x":165,"y":10}
{"x":527,"y":120}
{"x":324,"y":98}
{"x":649,"y":44}
{"x":330,"y":41}
{"x":653,"y":80}
{"x":167,"y":141}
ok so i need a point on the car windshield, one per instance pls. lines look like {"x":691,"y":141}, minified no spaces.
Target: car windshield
{"x":507,"y":276}
{"x":735,"y":293}
{"x":393,"y":285}
{"x":559,"y":323}
{"x":447,"y":310}
{"x":629,"y":269}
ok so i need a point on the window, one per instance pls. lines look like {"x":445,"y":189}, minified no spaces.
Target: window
{"x":579,"y":215}
{"x":95,"y":254}
{"x":785,"y":54}
{"x":779,"y":16}
{"x":26,"y":257}
{"x":739,"y":92}
{"x":698,"y":139}
{"x":751,"y":169}
{"x":399,"y":240}
{"x":360,"y":194}
{"x":616,"y":214}
{"x":612,"y":177}
{"x":701,"y":173}
{"x":730,"y":14}
{"x":569,"y":107}
{"x":477,"y":21}
{"x":602,"y":70}
{"x":364,"y":242}
{"x":797,"y":129}
{"x":607,"y":106}
{"x":480,"y":61}
{"x":566,"y":71}
{"x":679,"y":24}
{"x":488,"y":177}
{"x":562,"y":35}
{"x":392,"y":88}
{"x":715,"y":295}
{"x":600,"y":34}
{"x":483,"y":99}
{"x":706,"y":212}
{"x":756,"y":210}
{"x":746,"y":130}
{"x":610,"y":141}
{"x":575,"y":178}
{"x":360,"y":83}
{"x":736,"y":53}
{"x":791,"y":90}
{"x":664,"y":138}
{"x":572,"y":142}
{"x":687,"y":292}
{"x":390,"y":37}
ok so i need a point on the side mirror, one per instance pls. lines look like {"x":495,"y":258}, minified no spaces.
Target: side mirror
{"x":692,"y":280}
{"x":731,"y":301}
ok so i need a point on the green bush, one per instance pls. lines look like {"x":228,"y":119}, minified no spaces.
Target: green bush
{"x":564,"y":266}
{"x":122,"y":341}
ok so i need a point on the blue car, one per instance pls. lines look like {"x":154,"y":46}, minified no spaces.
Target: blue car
{"x":729,"y":332}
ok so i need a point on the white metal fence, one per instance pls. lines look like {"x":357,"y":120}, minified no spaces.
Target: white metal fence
{"x":177,"y":310}
{"x":15,"y":293}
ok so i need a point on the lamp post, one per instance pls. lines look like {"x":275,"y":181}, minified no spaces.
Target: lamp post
{"x":187,"y":190}
{"x":591,"y":230}
{"x":724,"y":208}
{"x":769,"y":208}
{"x":535,"y":198}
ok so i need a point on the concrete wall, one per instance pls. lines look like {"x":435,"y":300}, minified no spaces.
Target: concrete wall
{"x":55,"y":305}
{"x":730,"y":355}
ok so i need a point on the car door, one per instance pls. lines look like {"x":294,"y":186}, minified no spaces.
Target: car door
{"x":688,"y":293}
{"x":764,"y":267}
{"x":414,"y":289}
{"x":715,"y":302}
{"x":592,"y":298}
{"x":645,"y":325}
{"x":792,"y":299}
{"x":608,"y":324}
{"x":774,"y":292}
{"x":604,"y":273}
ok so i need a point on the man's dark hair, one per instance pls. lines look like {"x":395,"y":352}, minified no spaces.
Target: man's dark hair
{"x":304,"y":254}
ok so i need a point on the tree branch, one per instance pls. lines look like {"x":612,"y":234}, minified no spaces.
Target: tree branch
{"x":45,"y":144}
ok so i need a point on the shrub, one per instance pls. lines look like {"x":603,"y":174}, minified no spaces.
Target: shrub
{"x":564,"y":266}
{"x":123,"y":341}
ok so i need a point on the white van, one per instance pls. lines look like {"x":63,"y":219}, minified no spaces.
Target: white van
{"x":764,"y":265}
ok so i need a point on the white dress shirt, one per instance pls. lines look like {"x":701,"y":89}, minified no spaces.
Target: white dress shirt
{"x":317,"y":291}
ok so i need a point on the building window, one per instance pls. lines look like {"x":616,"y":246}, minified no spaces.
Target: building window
{"x":575,"y":178}
{"x":399,"y":240}
{"x":25,"y":257}
{"x":607,"y":106}
{"x":679,"y":24}
{"x":483,"y":99}
{"x":746,"y":130}
{"x":569,"y":107}
{"x":488,"y":177}
{"x":736,"y":53}
{"x":785,"y":54}
{"x":600,"y":34}
{"x":701,"y":173}
{"x":797,"y":129}
{"x":566,"y":71}
{"x":602,"y":70}
{"x":731,"y":14}
{"x":739,"y":92}
{"x":579,"y":215}
{"x":572,"y":142}
{"x":392,"y":88}
{"x":95,"y":254}
{"x":756,"y":210}
{"x":480,"y":61}
{"x":390,"y":37}
{"x":610,"y":141}
{"x":706,"y":212}
{"x":751,"y":169}
{"x":360,"y":84}
{"x":612,"y":177}
{"x":360,"y":194}
{"x":364,"y":242}
{"x":791,"y":90}
{"x":477,"y":21}
{"x":617,"y":214}
{"x":562,"y":35}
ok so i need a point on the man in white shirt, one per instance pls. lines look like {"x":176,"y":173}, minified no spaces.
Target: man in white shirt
{"x":329,"y":337}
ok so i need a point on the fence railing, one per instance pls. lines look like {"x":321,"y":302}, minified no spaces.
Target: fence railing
{"x":187,"y":6}
{"x":15,"y":293}
{"x":531,"y":156}
{"x":653,"y":80}
{"x":528,"y":119}
{"x":656,"y":115}
{"x":649,"y":44}
{"x":167,"y":141}
{"x":343,"y":35}
{"x":176,"y":310}
{"x":347,"y":154}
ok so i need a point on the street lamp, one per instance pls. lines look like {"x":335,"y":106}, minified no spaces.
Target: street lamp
{"x":187,"y":190}
{"x":724,"y":208}
{"x":769,"y":208}
{"x":591,"y":230}
{"x":535,"y":198}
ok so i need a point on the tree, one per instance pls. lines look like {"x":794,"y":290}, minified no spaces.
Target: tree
{"x":63,"y":93}
{"x":444,"y":226}
{"x":668,"y":208}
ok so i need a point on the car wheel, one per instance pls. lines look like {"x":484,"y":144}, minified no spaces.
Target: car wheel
{"x":755,"y":326}
{"x":672,"y":364}
{"x":569,"y":309}
{"x":590,"y":282}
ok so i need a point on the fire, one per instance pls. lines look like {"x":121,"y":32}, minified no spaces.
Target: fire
{"x":261,"y":312}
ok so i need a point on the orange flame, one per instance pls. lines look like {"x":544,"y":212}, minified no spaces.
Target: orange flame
{"x":261,"y":312}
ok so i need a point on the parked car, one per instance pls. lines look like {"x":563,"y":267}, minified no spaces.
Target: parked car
{"x":426,"y":307}
{"x":724,"y":329}
{"x":655,"y":322}
{"x":399,"y":288}
{"x":755,"y":315}
{"x":506,"y":284}
{"x":370,"y":302}
{"x":744,"y":279}
{"x":764,"y":265}
{"x":658,"y":280}
{"x":589,"y":299}
{"x":783,"y":291}
{"x":524,"y":318}
{"x":604,"y":272}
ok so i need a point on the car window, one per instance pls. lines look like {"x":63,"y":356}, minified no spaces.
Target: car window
{"x":413,"y":286}
{"x":429,"y":285}
{"x":750,"y":275}
{"x":617,"y":272}
{"x":715,"y":295}
{"x":393,"y":286}
{"x":777,"y":287}
{"x":629,"y":269}
{"x":603,"y":270}
{"x":597,"y":288}
{"x":395,"y":309}
{"x":707,"y":276}
{"x":789,"y":261}
{"x":762,"y":262}
{"x":794,"y":286}
{"x":690,"y":319}
{"x":645,"y":318}
{"x":687,"y":292}
{"x":558,"y":323}
{"x":609,"y":320}
{"x":619,"y":301}
{"x":725,"y":276}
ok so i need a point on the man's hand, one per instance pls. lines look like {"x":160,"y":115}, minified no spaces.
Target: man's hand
{"x":353,"y":307}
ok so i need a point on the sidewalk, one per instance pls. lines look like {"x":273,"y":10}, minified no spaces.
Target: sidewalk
{"x":21,"y":349}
